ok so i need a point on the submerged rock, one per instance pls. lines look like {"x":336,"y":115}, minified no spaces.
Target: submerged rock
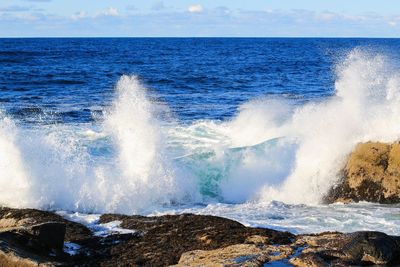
{"x":372,"y":174}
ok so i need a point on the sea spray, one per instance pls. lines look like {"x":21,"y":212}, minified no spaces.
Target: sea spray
{"x":14,"y":183}
{"x":131,"y":161}
{"x":147,"y":177}
{"x":315,"y":138}
{"x":363,"y":108}
{"x":118,"y":166}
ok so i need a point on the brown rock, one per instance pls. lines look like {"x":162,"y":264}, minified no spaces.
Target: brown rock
{"x":372,"y":173}
{"x":308,"y":260}
{"x":236,"y":255}
{"x":185,"y":240}
{"x":163,"y":239}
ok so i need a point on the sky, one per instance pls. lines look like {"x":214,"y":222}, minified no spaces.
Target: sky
{"x":207,"y":18}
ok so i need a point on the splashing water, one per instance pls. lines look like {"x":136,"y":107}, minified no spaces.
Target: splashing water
{"x":134,"y":162}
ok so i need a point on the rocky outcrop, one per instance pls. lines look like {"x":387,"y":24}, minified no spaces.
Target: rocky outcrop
{"x":372,"y":173}
{"x":337,"y":249}
{"x":160,"y":241}
{"x":10,"y":218}
{"x":34,"y":238}
{"x":32,"y":246}
{"x":30,"y":237}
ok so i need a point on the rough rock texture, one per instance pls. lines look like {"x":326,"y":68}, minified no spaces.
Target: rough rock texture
{"x":248,"y":255}
{"x":337,"y":249}
{"x":33,"y":238}
{"x":40,"y":244}
{"x":10,"y":218}
{"x":372,"y":173}
{"x":163,"y":239}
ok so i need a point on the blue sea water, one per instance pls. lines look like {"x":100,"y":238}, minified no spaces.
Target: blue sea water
{"x":199,"y":78}
{"x":255,"y":129}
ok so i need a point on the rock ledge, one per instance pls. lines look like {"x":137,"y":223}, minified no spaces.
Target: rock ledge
{"x":33,"y":238}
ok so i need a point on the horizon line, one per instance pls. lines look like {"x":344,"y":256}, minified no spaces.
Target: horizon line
{"x":200,"y":37}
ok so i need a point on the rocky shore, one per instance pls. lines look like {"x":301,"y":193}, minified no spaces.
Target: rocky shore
{"x":31,"y":237}
{"x":38,"y":238}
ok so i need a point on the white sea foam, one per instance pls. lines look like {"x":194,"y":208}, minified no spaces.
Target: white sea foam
{"x":133,"y":162}
{"x":305,"y":218}
{"x":14,"y":183}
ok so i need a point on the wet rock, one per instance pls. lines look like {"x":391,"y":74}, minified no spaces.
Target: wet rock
{"x":359,"y":248}
{"x":27,"y":239}
{"x":372,"y":173}
{"x":32,"y":246}
{"x":371,"y":247}
{"x":10,"y":218}
{"x":308,"y":260}
{"x":236,"y":255}
{"x":49,"y":234}
{"x":163,"y":239}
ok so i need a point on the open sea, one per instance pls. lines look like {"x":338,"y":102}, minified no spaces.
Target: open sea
{"x":252,"y":129}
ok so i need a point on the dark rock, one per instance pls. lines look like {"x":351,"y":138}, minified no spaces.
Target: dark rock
{"x":371,"y":247}
{"x":28,"y":217}
{"x":50,"y":234}
{"x":184,"y":240}
{"x":27,"y":247}
{"x":338,"y":249}
{"x":163,"y":239}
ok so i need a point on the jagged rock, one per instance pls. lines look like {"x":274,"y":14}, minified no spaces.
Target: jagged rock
{"x":372,"y":173}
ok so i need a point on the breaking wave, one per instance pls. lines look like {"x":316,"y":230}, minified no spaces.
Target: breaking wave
{"x":132,"y":161}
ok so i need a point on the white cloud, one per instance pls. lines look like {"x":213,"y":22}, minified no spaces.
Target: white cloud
{"x":195,"y":8}
{"x":220,"y":21}
{"x":326,"y":16}
{"x":79,"y":15}
{"x":111,"y":11}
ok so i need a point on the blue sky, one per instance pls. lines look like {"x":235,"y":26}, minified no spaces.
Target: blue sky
{"x":262,"y":18}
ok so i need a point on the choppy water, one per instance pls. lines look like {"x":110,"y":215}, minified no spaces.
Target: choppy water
{"x":251,"y":129}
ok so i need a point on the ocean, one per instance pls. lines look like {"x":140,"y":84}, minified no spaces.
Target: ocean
{"x":252,"y":129}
